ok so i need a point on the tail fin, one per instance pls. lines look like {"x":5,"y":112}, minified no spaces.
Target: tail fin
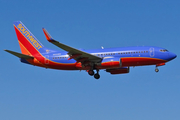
{"x":29,"y":44}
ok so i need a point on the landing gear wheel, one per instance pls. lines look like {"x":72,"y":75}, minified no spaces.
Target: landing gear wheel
{"x":156,"y":70}
{"x":91,"y":72}
{"x":96,"y":76}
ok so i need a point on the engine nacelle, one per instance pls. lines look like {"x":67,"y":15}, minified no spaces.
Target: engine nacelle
{"x":110,"y":63}
{"x":122,"y":70}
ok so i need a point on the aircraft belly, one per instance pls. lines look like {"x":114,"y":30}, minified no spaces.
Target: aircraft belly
{"x":140,"y":61}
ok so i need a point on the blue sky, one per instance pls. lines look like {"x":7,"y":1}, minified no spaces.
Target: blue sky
{"x":28,"y":92}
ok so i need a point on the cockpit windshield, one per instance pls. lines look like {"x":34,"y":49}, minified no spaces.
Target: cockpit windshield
{"x":164,"y":50}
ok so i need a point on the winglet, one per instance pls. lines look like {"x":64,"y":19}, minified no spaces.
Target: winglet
{"x":47,"y":35}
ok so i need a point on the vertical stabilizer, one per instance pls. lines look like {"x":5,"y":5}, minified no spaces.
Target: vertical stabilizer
{"x":29,"y":44}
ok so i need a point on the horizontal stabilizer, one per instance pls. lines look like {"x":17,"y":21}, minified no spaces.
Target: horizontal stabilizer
{"x":19,"y":54}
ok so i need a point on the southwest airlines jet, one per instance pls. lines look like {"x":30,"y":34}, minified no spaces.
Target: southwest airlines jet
{"x":113,"y":60}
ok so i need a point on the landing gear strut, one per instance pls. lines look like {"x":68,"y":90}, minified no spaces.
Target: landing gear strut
{"x":157,"y":65}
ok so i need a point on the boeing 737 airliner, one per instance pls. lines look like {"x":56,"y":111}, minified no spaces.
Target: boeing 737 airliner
{"x":113,"y":60}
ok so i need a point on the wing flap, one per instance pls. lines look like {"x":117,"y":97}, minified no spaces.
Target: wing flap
{"x":19,"y":54}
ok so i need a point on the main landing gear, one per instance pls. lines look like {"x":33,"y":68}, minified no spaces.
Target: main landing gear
{"x":91,"y":73}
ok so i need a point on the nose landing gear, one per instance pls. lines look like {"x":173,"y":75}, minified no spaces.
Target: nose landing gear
{"x":156,"y":70}
{"x":157,"y":65}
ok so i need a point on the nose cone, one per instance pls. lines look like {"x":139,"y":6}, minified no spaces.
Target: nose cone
{"x":172,"y":56}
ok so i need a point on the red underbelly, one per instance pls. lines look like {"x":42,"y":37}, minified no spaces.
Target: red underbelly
{"x":140,"y":61}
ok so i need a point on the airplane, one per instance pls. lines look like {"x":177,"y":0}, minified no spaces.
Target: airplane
{"x":112,"y":60}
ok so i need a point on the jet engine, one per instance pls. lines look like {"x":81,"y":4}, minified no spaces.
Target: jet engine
{"x":110,"y":63}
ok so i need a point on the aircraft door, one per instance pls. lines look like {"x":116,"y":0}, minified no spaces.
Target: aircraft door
{"x":151,"y":52}
{"x":46,"y":59}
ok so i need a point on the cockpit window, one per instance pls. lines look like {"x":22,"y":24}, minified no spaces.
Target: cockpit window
{"x":164,"y":50}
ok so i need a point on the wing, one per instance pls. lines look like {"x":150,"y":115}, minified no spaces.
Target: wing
{"x":19,"y":54}
{"x":78,"y":55}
